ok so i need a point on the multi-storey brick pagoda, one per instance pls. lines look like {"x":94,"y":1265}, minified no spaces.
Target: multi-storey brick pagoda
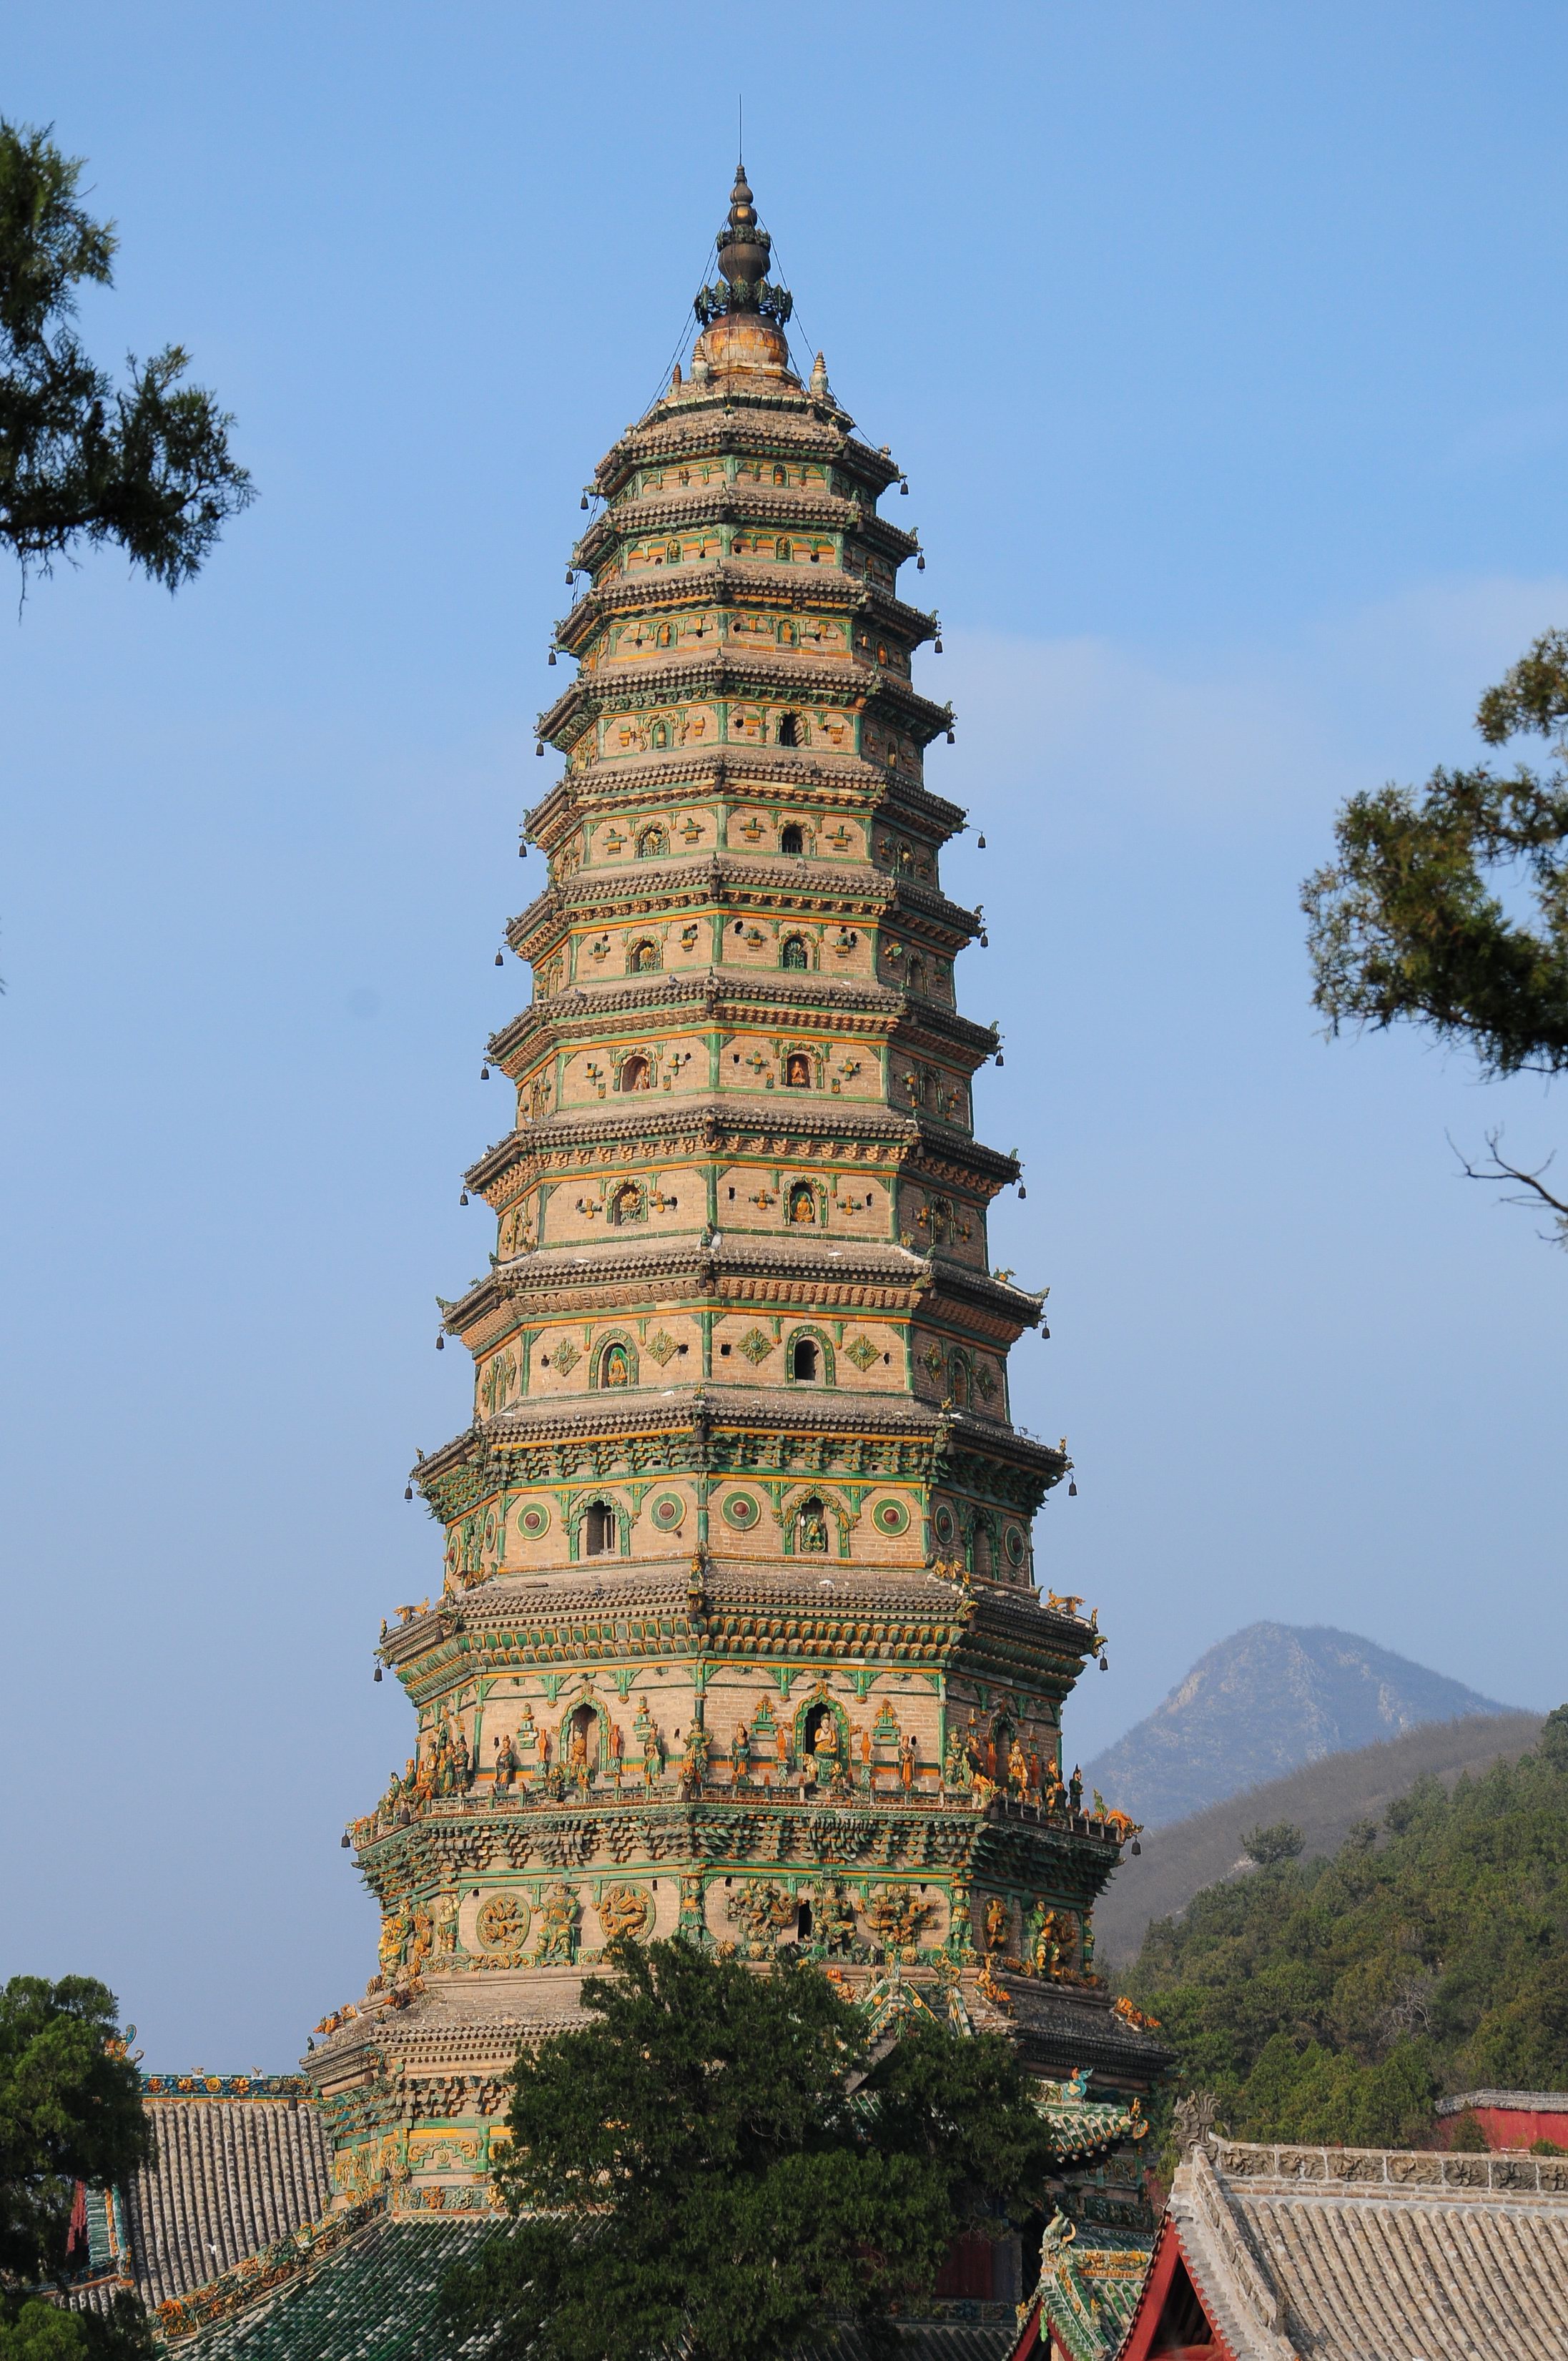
{"x":739,"y":1633}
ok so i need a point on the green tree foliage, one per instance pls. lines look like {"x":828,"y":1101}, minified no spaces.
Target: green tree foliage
{"x":1334,"y":1999}
{"x":1281,"y":1841}
{"x":1411,"y":920}
{"x":148,"y":465}
{"x":716,"y":2166}
{"x":34,"y":2330}
{"x":71,"y":2110}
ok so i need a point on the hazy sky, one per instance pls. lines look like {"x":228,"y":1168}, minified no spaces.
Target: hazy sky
{"x":1225,"y":347}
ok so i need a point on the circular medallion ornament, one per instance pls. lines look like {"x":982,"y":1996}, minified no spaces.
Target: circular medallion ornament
{"x":667,"y":1511}
{"x":502,"y":1923}
{"x":534,"y":1521}
{"x":626,"y":1912}
{"x":489,"y":1528}
{"x":741,"y":1509}
{"x":943,"y":1525}
{"x":1012,"y":1543}
{"x":890,"y":1517}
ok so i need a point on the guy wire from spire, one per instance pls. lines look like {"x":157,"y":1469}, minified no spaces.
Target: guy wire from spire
{"x":679,"y":345}
{"x":782,"y":279}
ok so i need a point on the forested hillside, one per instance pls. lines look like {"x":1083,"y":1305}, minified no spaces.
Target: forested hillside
{"x":1324,"y":1799}
{"x":1336,"y":1999}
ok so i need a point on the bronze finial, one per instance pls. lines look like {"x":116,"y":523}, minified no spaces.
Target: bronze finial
{"x":743,"y":247}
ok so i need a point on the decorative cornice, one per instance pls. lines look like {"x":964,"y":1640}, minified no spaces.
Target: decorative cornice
{"x":740,"y":582}
{"x":744,"y":676}
{"x":742,"y":503}
{"x":726,"y":880}
{"x":708,"y":423}
{"x":716,"y":996}
{"x":657,"y":1125}
{"x":744,"y":772}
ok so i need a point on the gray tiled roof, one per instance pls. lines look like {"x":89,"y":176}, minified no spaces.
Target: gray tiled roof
{"x":1342,"y":2254}
{"x":232,"y":2176}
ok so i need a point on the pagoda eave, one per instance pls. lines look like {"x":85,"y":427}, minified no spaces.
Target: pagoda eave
{"x":728,"y":881}
{"x":738,"y":996}
{"x":760,"y":770}
{"x":732,"y":676}
{"x":722,"y":429}
{"x":671,"y":1126}
{"x":552,"y":1284}
{"x":752,"y":580}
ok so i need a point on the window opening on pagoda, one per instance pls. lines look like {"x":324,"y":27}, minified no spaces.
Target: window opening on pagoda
{"x":664,"y":637}
{"x":615,"y":1369}
{"x":795,"y":955}
{"x":673,"y":555}
{"x":599,"y":1529}
{"x":803,"y":1208}
{"x":781,"y":475}
{"x":653,"y":844}
{"x":625,"y":1205}
{"x":803,"y":1365}
{"x":787,"y":552}
{"x":958,"y":1380}
{"x":916,"y":975}
{"x":941,"y":1221}
{"x":792,"y":838}
{"x":789,"y":724}
{"x":786,"y":640}
{"x":642,"y":959}
{"x":659,"y":737}
{"x":798,"y":1071}
{"x":803,"y":1924}
{"x":636,"y":1074}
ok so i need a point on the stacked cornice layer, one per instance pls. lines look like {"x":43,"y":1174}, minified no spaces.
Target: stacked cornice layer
{"x":738,"y":1634}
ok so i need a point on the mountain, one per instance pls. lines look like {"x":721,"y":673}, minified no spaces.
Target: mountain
{"x":1262,"y":1702}
{"x":1324,"y":1799}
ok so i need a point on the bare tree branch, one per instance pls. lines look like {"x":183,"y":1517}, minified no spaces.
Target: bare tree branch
{"x":1535,"y":1192}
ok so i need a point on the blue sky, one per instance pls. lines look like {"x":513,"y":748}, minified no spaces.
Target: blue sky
{"x":1225,"y":347}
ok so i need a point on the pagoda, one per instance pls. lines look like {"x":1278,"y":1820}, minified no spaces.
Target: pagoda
{"x":739,"y":1636}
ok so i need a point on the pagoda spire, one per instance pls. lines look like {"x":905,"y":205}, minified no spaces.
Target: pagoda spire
{"x":744,"y":247}
{"x":745,"y":250}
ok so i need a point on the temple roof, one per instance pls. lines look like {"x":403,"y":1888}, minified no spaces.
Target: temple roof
{"x":1342,"y":2254}
{"x":375,"y":2298}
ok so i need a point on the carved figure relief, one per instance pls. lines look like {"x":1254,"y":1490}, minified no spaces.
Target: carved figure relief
{"x":895,"y":1915}
{"x":559,"y":1913}
{"x":811,"y":1528}
{"x":764,"y":1910}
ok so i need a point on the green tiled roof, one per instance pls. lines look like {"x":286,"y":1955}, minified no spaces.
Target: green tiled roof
{"x":374,"y":2299}
{"x":1088,"y":2295}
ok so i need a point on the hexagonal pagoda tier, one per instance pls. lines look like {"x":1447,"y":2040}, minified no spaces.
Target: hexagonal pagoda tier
{"x":739,"y":1633}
